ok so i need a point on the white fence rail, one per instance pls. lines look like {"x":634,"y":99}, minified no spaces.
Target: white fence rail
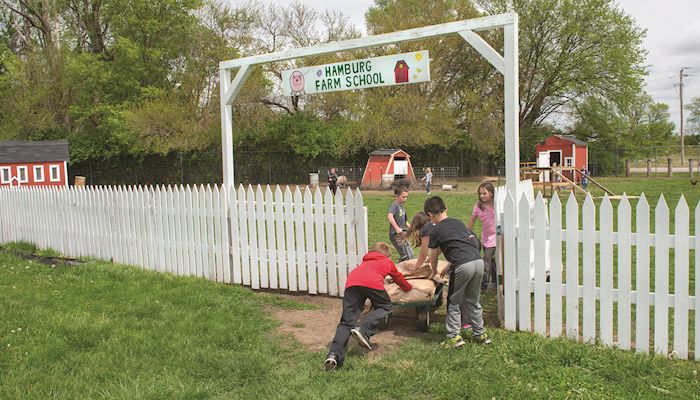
{"x":297,"y":241}
{"x":646,"y":274}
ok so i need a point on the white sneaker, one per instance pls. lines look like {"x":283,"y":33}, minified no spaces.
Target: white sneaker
{"x":361,"y":338}
{"x":330,"y":363}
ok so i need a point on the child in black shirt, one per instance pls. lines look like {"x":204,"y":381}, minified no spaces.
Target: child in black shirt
{"x":461,"y":248}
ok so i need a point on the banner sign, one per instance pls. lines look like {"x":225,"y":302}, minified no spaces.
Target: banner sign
{"x":396,"y":69}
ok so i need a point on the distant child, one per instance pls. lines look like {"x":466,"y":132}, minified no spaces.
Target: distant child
{"x":332,"y":180}
{"x":556,"y":170}
{"x":584,"y":179}
{"x":428,"y":178}
{"x":398,"y":224}
{"x":364,"y":282}
{"x":419,"y":234}
{"x":483,"y":210}
{"x":461,"y":249}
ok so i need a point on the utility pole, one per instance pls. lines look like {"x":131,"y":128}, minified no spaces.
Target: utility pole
{"x":680,"y":93}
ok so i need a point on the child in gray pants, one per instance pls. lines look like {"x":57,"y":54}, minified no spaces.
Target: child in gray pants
{"x":461,"y":248}
{"x":398,"y":225}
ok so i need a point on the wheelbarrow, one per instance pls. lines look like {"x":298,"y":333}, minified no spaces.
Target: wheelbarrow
{"x":423,"y":309}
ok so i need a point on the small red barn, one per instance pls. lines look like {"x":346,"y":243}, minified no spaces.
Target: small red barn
{"x":390,"y":164}
{"x":26,"y":163}
{"x":401,"y":72}
{"x":566,"y":151}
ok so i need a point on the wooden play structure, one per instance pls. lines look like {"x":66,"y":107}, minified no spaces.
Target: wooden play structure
{"x":557,"y":178}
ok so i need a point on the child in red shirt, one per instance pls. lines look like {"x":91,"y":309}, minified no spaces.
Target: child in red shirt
{"x":364,"y":282}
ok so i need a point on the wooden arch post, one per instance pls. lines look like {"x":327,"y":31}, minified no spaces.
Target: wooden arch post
{"x":506,"y":64}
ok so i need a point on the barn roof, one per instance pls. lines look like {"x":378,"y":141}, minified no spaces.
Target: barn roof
{"x":573,"y":139}
{"x":384,"y":152}
{"x":29,"y":151}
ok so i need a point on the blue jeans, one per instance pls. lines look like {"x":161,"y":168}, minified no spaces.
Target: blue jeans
{"x":427,"y":187}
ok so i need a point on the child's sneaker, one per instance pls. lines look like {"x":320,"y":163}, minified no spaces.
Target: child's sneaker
{"x":482,"y":339}
{"x":331,"y":362}
{"x":361,"y":338}
{"x":453,"y":343}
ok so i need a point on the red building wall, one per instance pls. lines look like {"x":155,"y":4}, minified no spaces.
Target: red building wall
{"x":376,"y":165}
{"x":555,"y":143}
{"x":568,"y":149}
{"x":581,"y":157}
{"x":31,"y":181}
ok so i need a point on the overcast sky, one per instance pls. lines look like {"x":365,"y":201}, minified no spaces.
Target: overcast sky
{"x":672,"y":42}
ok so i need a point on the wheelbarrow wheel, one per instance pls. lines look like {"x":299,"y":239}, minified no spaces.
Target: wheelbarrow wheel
{"x":423,"y":324}
{"x":385,"y":323}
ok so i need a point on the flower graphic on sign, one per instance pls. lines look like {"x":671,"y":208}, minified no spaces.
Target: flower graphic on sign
{"x":296,"y":82}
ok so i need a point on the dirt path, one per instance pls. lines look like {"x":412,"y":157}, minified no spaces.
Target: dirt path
{"x":315,"y":329}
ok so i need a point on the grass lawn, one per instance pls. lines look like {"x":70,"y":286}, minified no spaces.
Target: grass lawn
{"x":105,"y":331}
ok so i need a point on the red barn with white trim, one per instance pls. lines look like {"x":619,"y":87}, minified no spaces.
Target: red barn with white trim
{"x":385,"y":162}
{"x":28,"y":163}
{"x":565,"y":150}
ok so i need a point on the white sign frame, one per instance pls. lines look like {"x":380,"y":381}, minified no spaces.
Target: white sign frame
{"x":506,"y":65}
{"x":390,"y":70}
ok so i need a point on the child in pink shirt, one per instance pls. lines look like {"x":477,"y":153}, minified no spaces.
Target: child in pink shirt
{"x":483,"y":210}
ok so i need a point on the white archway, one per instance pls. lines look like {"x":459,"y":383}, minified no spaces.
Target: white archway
{"x":506,"y":65}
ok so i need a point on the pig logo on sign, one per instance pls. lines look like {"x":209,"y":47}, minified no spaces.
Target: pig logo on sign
{"x":296,"y":81}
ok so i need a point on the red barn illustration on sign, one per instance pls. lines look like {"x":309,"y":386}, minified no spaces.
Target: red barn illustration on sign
{"x":401,"y":72}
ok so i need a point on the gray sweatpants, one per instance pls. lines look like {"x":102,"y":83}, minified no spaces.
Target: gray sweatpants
{"x":489,"y":268}
{"x":402,"y":246}
{"x":463,"y":298}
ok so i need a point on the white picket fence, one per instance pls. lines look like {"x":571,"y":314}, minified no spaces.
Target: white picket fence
{"x":296,"y":241}
{"x":644,"y":279}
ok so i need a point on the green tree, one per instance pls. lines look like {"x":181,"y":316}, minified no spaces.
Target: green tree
{"x":693,"y":120}
{"x":460,"y":109}
{"x":637,"y":129}
{"x":570,"y":50}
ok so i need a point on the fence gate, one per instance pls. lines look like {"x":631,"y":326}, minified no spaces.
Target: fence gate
{"x":630,"y":281}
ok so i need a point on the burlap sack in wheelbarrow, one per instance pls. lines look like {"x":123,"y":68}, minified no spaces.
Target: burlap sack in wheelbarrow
{"x":410,"y":271}
{"x":423,"y":289}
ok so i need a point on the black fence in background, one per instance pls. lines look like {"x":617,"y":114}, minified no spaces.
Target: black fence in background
{"x":354,"y":174}
{"x":253,"y":167}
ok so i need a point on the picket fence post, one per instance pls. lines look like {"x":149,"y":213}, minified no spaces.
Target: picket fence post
{"x":287,"y":214}
{"x":642,"y":274}
{"x":302,"y":258}
{"x":540,"y":264}
{"x":331,"y":261}
{"x":555,"y":273}
{"x":572,"y":298}
{"x":509,"y":269}
{"x":606,"y":272}
{"x":661,"y":247}
{"x":681,"y":278}
{"x":624,"y":268}
{"x":278,"y":221}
